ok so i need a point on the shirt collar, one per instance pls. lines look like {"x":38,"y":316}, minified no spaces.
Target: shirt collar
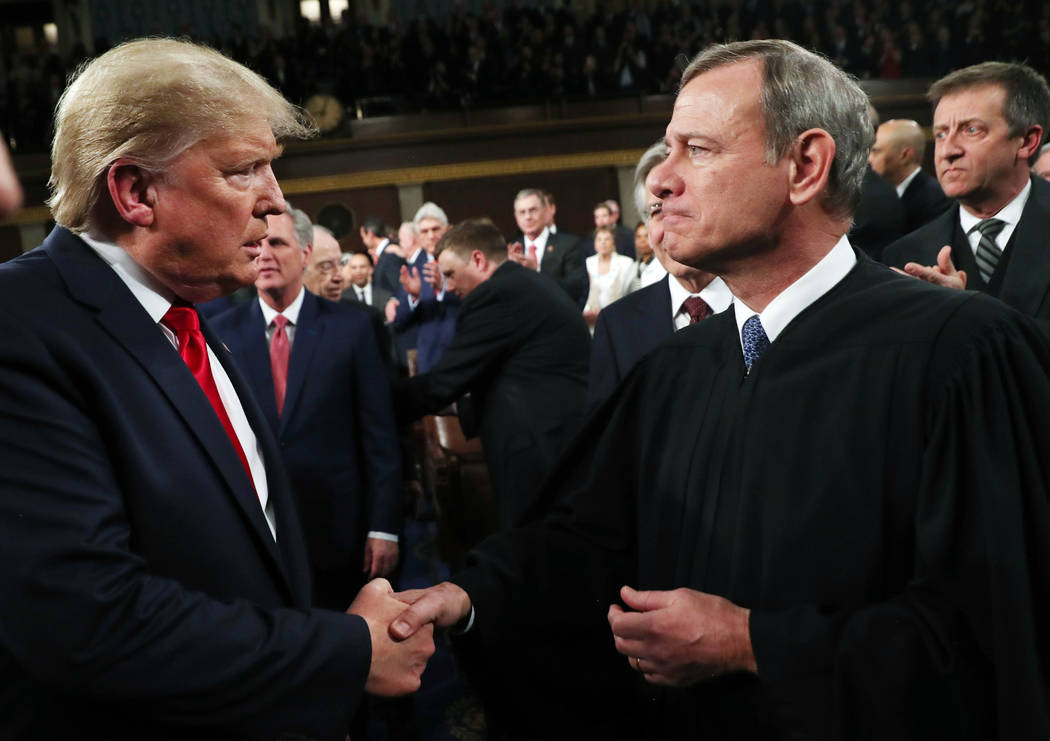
{"x":540,"y":241}
{"x":155,"y":298}
{"x":1010,"y":214}
{"x":820,"y":279}
{"x":715,"y":294}
{"x":291,"y":313}
{"x":906,"y":182}
{"x":381,"y":247}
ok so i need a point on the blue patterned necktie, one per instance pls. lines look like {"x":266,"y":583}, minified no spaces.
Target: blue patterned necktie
{"x":988,"y":252}
{"x":754,"y":339}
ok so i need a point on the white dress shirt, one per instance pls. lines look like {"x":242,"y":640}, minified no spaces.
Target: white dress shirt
{"x":903,"y":185}
{"x":820,"y":279}
{"x":651,"y":273}
{"x":715,"y":294}
{"x":156,"y":300}
{"x":1010,"y":215}
{"x":541,"y":245}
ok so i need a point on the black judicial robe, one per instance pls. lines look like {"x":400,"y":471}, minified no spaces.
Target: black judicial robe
{"x":875,"y":491}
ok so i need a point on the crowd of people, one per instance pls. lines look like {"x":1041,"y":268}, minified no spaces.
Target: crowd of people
{"x":781,"y":491}
{"x":516,"y":52}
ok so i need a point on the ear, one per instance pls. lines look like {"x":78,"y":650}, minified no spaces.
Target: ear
{"x":480,"y":261}
{"x":306,"y":255}
{"x":1030,"y":141}
{"x":811,"y":158}
{"x":133,"y":191}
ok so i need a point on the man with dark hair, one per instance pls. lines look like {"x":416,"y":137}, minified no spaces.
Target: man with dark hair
{"x":830,"y":503}
{"x":988,"y":123}
{"x":387,"y":271}
{"x":897,"y":156}
{"x":520,"y":349}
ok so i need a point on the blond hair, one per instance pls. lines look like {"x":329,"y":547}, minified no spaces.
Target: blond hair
{"x":148,"y":101}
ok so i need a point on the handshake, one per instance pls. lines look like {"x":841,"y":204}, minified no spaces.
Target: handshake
{"x":401,"y":625}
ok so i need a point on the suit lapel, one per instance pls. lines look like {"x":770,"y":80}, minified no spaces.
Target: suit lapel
{"x":308,"y":331}
{"x":1027,"y":275}
{"x":93,"y":282}
{"x":656,"y":310}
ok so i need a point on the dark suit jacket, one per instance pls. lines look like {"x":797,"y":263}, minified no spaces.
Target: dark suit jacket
{"x":1022,"y":278}
{"x":923,"y":201}
{"x":379,"y":296}
{"x":563,"y":262}
{"x":429,"y":327}
{"x":879,"y":218}
{"x":143,"y":594}
{"x":387,"y":272}
{"x":337,"y":431}
{"x":625,"y":332}
{"x":521,"y":350}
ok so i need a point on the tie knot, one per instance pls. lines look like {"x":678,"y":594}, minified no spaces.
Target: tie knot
{"x":182,"y":319}
{"x":696,"y":308}
{"x":754,"y":340}
{"x":280,"y":321}
{"x":990,"y":227}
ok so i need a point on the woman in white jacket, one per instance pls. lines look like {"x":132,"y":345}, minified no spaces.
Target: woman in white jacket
{"x":612,"y":275}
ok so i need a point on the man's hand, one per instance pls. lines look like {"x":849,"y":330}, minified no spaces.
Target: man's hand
{"x":683,"y":636}
{"x":391,"y":309}
{"x":942,"y":274}
{"x":432,"y":275}
{"x":380,"y":557}
{"x":516,"y":252}
{"x":443,"y":605}
{"x":396,"y":664}
{"x":410,"y":282}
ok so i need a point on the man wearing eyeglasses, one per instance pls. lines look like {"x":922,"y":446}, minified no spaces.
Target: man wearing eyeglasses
{"x":324,"y":276}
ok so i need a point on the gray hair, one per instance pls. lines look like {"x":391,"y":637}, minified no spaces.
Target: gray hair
{"x":526,"y":192}
{"x":430,"y":210}
{"x":148,"y":101}
{"x":653,"y":156}
{"x":304,"y":228}
{"x":800,"y":91}
{"x":1027,"y":100}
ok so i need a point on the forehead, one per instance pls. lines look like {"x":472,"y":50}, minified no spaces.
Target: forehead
{"x":984,"y":102}
{"x":527,"y":203}
{"x":428,"y":224}
{"x":249,"y":141}
{"x":281,"y":225}
{"x":359,"y":261}
{"x":326,"y":250}
{"x":722,"y":99}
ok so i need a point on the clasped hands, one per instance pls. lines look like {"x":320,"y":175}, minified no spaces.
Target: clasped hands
{"x":678,"y":637}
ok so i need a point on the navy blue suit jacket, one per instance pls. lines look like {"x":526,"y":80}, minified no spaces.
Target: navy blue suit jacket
{"x":625,"y":332}
{"x":337,"y":431}
{"x":431,"y":324}
{"x":143,"y":594}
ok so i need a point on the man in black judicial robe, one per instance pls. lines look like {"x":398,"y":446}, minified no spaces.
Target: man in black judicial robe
{"x":845,"y":532}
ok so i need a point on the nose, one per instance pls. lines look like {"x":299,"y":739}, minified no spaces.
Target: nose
{"x":947,"y":147}
{"x":662,"y":181}
{"x":270,"y":200}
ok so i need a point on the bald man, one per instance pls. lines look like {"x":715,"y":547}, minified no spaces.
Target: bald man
{"x":897,"y":156}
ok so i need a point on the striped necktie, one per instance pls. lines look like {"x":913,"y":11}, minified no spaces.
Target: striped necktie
{"x":988,"y":252}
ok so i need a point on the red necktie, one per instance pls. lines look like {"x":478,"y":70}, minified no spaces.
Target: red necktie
{"x":184,"y":322}
{"x":279,"y":352}
{"x":696,"y":308}
{"x":532,"y":254}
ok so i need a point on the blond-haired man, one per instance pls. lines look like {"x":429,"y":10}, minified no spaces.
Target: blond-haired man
{"x":156,"y":581}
